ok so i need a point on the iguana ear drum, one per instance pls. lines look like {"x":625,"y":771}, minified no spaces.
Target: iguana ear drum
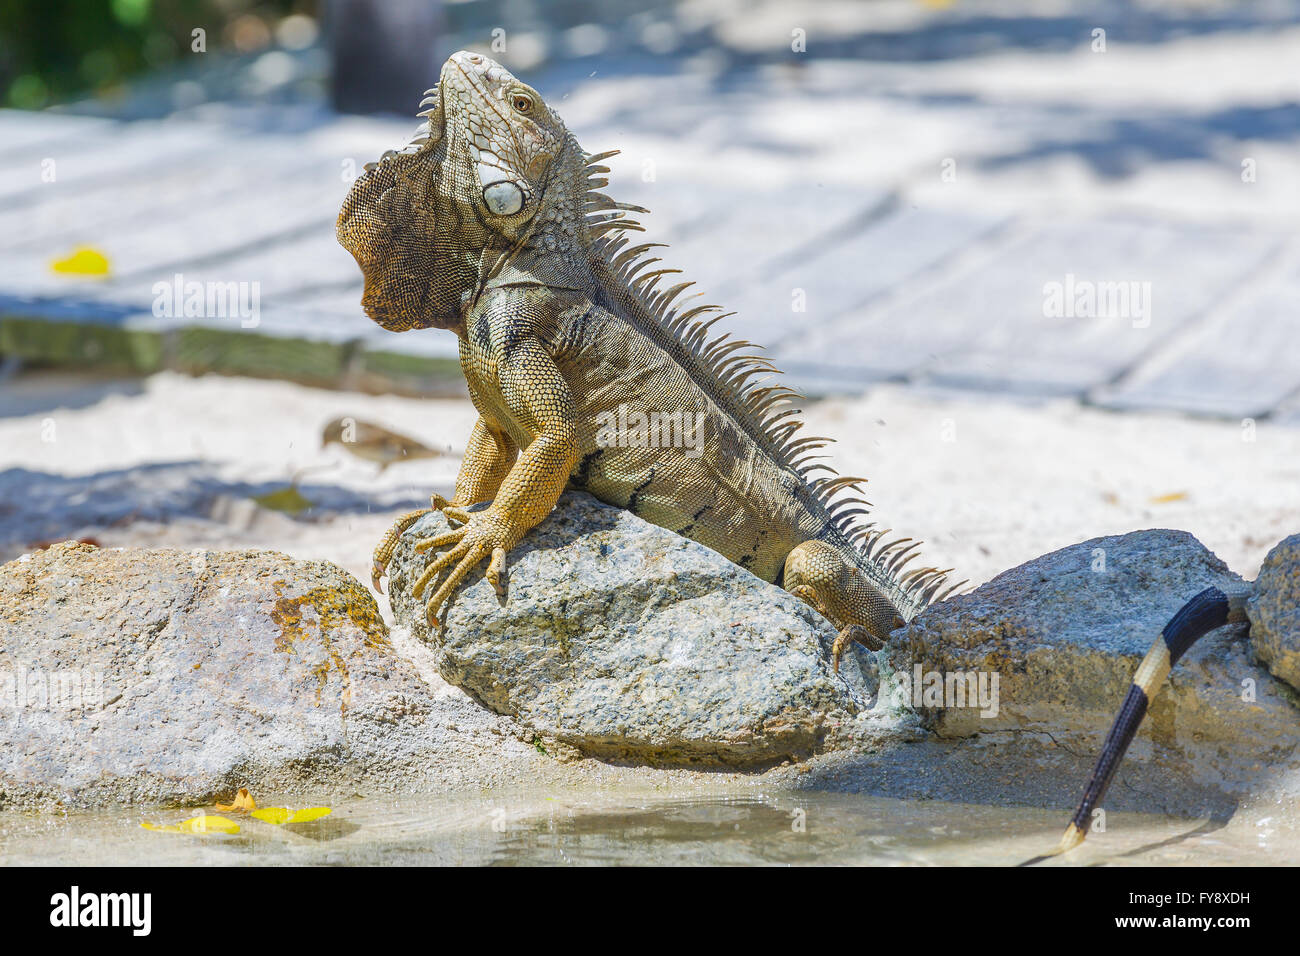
{"x":503,"y":198}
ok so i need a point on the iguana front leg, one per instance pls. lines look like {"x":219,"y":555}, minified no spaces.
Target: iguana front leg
{"x":538,"y":400}
{"x":489,"y":453}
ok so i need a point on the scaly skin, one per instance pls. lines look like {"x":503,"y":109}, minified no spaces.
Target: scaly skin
{"x":490,"y":224}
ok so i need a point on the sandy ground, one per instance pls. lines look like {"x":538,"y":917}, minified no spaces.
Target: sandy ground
{"x":987,"y":483}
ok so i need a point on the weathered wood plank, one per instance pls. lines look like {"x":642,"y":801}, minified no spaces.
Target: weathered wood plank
{"x":1170,"y":275}
{"x":241,"y":190}
{"x":987,"y":325}
{"x":828,"y":347}
{"x":159,"y":203}
{"x":119,"y":153}
{"x":29,"y":134}
{"x":1244,"y":364}
{"x":196,"y":238}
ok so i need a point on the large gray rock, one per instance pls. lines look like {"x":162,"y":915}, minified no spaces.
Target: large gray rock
{"x":627,"y":641}
{"x":1064,"y":633}
{"x":159,"y":675}
{"x":1274,"y":611}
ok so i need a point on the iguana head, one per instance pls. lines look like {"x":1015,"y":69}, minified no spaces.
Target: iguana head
{"x":495,"y":172}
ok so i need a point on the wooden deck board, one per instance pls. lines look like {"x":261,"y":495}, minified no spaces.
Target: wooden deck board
{"x":843,"y":286}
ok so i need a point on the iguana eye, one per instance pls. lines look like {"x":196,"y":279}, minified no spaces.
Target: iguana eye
{"x":522,"y":102}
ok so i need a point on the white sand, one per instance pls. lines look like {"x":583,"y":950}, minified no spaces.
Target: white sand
{"x":987,"y":483}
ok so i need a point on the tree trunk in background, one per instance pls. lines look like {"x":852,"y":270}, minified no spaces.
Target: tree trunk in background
{"x":385,"y":53}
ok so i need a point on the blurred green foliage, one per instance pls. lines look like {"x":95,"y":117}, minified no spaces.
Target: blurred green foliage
{"x":52,"y":50}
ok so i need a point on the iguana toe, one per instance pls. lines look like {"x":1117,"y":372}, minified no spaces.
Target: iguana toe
{"x":440,"y":540}
{"x":854,"y":632}
{"x":495,"y":567}
{"x":456,"y":513}
{"x":384,"y":550}
{"x":487,"y":534}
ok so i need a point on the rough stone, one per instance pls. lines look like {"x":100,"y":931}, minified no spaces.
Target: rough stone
{"x":629,"y":642}
{"x":134,"y":676}
{"x":1064,"y":634}
{"x":1274,"y":611}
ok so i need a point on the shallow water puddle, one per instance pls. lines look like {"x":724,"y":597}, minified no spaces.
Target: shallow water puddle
{"x":765,"y":828}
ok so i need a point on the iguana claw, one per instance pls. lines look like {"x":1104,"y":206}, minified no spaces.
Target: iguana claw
{"x":854,"y":632}
{"x":384,"y":550}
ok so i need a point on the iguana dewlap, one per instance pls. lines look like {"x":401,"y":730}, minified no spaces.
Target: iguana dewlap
{"x":585,"y":370}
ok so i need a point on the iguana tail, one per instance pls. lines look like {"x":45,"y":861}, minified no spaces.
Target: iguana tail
{"x":1208,"y":610}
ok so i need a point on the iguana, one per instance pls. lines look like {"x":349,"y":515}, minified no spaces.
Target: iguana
{"x":492,"y":224}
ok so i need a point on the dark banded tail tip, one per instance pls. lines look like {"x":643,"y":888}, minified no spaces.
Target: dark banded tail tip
{"x":1202,"y":614}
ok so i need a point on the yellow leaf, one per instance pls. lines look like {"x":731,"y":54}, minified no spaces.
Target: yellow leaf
{"x":282,"y":815}
{"x":308,"y":814}
{"x":1172,"y":496}
{"x":276,"y":815}
{"x":287,"y":500}
{"x":84,"y":261}
{"x":201,"y":824}
{"x":243,"y":801}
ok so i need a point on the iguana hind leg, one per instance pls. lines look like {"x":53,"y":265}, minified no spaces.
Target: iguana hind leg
{"x":816,"y":573}
{"x":488,"y":457}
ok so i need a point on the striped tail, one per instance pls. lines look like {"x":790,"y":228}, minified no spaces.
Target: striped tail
{"x":1208,"y":610}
